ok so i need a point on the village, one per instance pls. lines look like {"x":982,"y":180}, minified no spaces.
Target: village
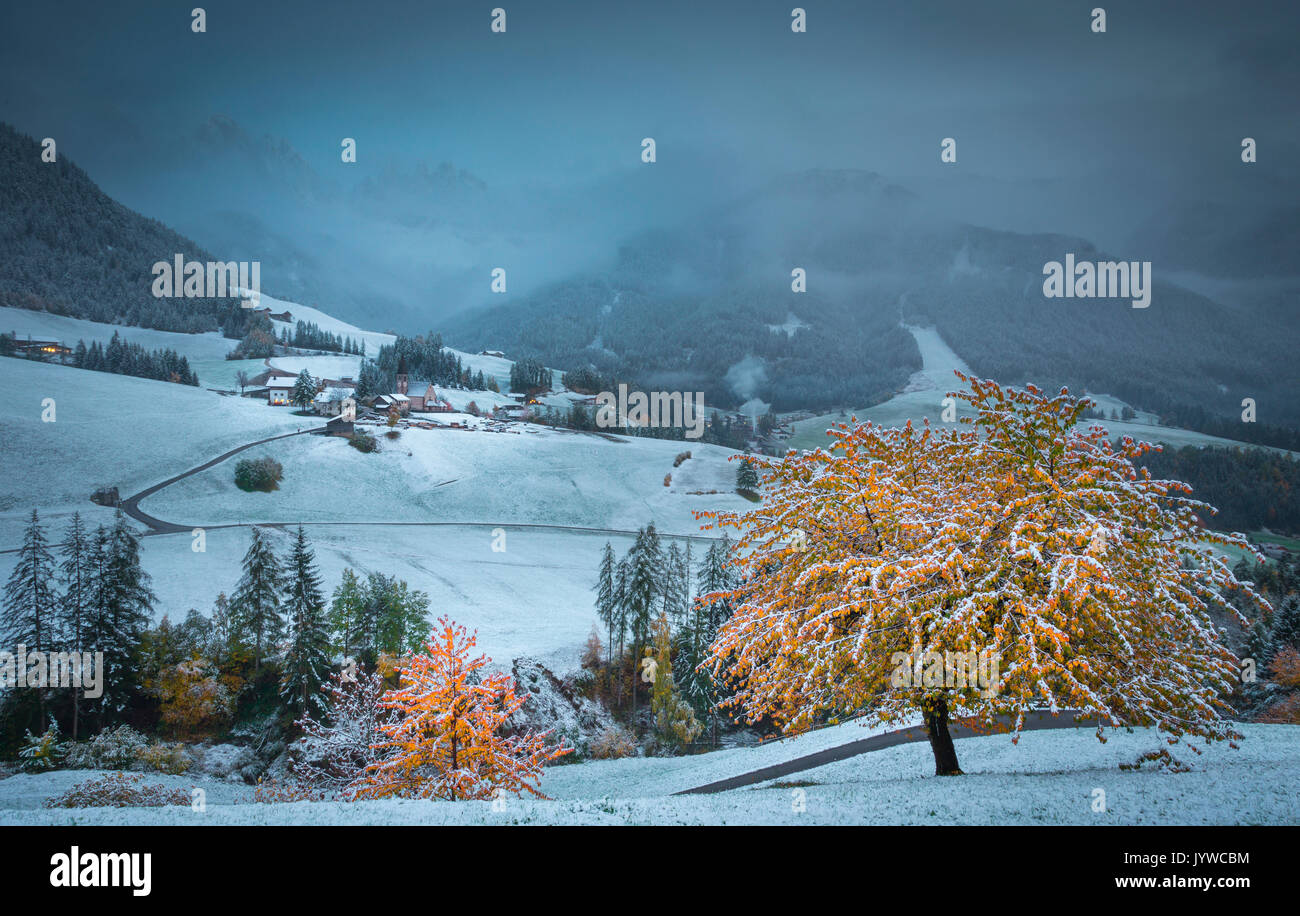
{"x":422,"y":408}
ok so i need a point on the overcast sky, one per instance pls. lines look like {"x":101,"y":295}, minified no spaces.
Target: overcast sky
{"x":1058,"y":128}
{"x":571,"y":87}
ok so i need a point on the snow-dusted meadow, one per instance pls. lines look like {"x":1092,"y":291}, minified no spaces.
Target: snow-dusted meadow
{"x":1049,"y":778}
{"x":108,"y":430}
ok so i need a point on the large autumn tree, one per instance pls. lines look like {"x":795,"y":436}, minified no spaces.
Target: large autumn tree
{"x":1011,"y":533}
{"x":447,"y":734}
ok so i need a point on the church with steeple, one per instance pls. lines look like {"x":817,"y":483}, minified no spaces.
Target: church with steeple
{"x":428,"y":402}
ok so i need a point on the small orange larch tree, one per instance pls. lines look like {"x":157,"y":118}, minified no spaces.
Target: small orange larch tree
{"x":445,"y":738}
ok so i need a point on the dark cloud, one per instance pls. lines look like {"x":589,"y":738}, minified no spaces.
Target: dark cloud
{"x":1057,"y":127}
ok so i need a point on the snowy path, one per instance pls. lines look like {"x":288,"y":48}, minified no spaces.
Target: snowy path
{"x":914,"y":733}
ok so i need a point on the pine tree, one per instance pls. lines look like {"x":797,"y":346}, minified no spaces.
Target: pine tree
{"x":304,"y":390}
{"x":401,"y":625}
{"x":76,"y":611}
{"x":123,"y":610}
{"x":1286,"y":627}
{"x":645,"y":569}
{"x":346,"y":609}
{"x":606,"y":596}
{"x":644,"y":586}
{"x":673,"y":590}
{"x":306,"y":660}
{"x":622,"y":575}
{"x":256,"y":602}
{"x":224,"y":644}
{"x":445,"y":740}
{"x":30,"y":604}
{"x":746,"y":476}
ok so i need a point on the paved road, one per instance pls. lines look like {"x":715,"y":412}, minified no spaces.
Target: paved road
{"x":1033,"y":722}
{"x":131,"y":505}
{"x":157,"y":526}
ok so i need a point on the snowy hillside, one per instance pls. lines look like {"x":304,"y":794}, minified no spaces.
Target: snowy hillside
{"x":206,"y":352}
{"x":109,"y":430}
{"x":924,"y":394}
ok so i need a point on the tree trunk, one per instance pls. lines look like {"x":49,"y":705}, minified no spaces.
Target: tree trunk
{"x":936,"y":723}
{"x":636,"y":676}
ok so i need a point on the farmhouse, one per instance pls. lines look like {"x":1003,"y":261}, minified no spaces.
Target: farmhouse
{"x":279,"y":391}
{"x":41,"y":349}
{"x":385,"y":402}
{"x":285,"y":316}
{"x":331,"y":402}
{"x":272,"y":375}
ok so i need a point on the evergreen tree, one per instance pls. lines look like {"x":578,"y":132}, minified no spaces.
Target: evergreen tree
{"x":1286,"y":627}
{"x":643,"y":584}
{"x":123,"y":609}
{"x":76,"y":609}
{"x":746,"y":477}
{"x":643,"y":588}
{"x":606,"y":594}
{"x":30,"y":604}
{"x":706,"y":615}
{"x":346,"y":608}
{"x":223,"y":644}
{"x":306,"y":661}
{"x":401,"y":624}
{"x":370,"y":381}
{"x":304,"y":390}
{"x":674,"y":584}
{"x":256,"y":602}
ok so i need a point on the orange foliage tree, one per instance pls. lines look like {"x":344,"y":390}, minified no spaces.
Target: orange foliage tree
{"x":1012,"y":534}
{"x":194,"y":698}
{"x":446,"y":738}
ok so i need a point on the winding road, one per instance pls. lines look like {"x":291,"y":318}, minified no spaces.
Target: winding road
{"x":131,"y":507}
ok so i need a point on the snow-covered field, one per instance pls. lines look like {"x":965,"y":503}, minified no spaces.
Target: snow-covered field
{"x":538,"y":476}
{"x":535,"y":598}
{"x":206,"y":352}
{"x":1051,"y":777}
{"x":389,"y":512}
{"x":108,"y":430}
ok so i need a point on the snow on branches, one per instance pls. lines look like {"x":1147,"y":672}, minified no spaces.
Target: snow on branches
{"x":336,"y":750}
{"x":1012,"y":533}
{"x":445,"y":737}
